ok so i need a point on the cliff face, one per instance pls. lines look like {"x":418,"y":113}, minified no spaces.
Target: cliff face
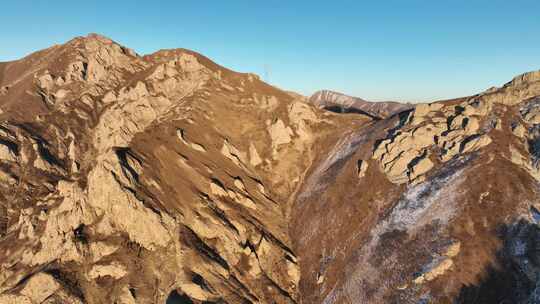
{"x":341,"y":103}
{"x":167,"y":178}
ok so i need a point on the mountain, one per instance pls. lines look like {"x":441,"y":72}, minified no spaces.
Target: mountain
{"x":167,"y":178}
{"x":134,"y":179}
{"x":341,"y":103}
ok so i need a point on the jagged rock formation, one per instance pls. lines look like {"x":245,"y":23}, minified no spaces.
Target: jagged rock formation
{"x":167,"y":178}
{"x":341,"y":103}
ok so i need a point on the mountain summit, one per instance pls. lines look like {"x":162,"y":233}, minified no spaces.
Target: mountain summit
{"x":167,"y":178}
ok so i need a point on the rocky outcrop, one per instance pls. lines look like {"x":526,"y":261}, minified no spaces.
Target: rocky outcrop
{"x":431,"y":131}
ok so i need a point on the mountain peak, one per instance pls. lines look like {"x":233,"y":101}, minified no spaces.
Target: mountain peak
{"x":97,"y":36}
{"x":91,"y":40}
{"x":94,"y":37}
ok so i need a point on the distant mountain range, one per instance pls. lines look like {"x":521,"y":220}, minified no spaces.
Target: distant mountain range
{"x":341,"y":103}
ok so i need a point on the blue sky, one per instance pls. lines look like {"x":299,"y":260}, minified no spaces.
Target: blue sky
{"x":407,"y":50}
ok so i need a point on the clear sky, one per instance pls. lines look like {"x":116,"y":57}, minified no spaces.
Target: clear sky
{"x":407,"y":50}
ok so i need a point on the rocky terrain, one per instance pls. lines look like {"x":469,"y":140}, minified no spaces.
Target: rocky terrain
{"x":341,"y":103}
{"x":167,"y":178}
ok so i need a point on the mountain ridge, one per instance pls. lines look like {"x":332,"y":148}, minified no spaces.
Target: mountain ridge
{"x":342,"y":103}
